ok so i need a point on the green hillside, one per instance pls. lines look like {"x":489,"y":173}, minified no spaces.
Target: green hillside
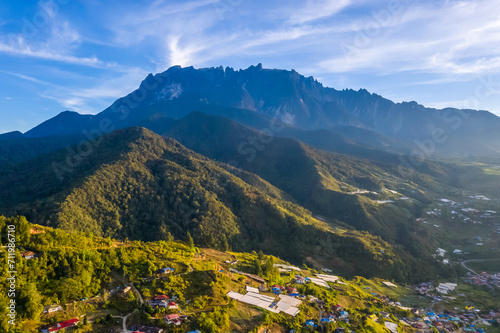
{"x":318,"y":180}
{"x":82,"y":272}
{"x":135,"y":184}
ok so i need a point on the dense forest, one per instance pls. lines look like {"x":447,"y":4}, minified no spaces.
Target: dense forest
{"x":135,"y":184}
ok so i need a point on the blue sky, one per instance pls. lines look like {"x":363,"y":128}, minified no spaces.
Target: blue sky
{"x":60,"y":55}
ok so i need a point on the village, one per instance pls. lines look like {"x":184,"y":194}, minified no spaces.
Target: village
{"x":290,"y":300}
{"x":315,"y":297}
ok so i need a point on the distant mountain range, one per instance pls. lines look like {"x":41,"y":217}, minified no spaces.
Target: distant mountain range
{"x":256,"y":96}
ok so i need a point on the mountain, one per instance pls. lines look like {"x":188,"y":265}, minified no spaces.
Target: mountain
{"x":254,"y":159}
{"x":293,"y":99}
{"x":318,"y":180}
{"x":11,"y":135}
{"x":65,"y":123}
{"x":22,"y":148}
{"x":133,"y":183}
{"x":299,"y":102}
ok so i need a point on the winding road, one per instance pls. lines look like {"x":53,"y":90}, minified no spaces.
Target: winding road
{"x":131,"y":284}
{"x":124,"y":318}
{"x":124,"y":322}
{"x":475,"y":260}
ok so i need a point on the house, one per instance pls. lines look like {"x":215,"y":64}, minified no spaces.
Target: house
{"x":320,"y":302}
{"x":310,"y":323}
{"x":52,"y":308}
{"x":28,"y":255}
{"x":277,"y":289}
{"x":262,"y":288}
{"x":172,"y":305}
{"x":166,"y":270}
{"x":449,"y":326}
{"x":161,"y":297}
{"x":172,"y":319}
{"x":328,"y":319}
{"x":300,"y":279}
{"x":61,"y":325}
{"x":146,"y":329}
{"x":344,"y":314}
{"x":159,"y":303}
{"x":292,"y":290}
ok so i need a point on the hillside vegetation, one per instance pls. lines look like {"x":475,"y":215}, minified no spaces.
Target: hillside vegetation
{"x":72,"y":266}
{"x":139,"y":185}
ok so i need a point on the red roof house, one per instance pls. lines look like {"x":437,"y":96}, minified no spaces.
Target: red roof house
{"x":161,"y":297}
{"x":63,"y":324}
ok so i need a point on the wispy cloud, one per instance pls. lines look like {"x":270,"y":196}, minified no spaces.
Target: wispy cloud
{"x":23,"y":49}
{"x":455,"y":43}
{"x":104,"y":92}
{"x":317,"y":9}
{"x":25,"y":77}
{"x":55,"y":41}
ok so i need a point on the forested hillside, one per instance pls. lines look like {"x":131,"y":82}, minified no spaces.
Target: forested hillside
{"x":139,"y":185}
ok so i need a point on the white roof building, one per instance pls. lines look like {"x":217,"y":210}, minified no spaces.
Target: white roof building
{"x":328,"y":278}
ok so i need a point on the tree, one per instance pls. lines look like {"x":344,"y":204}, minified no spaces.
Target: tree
{"x":23,"y":228}
{"x":2,"y":225}
{"x":258,"y":270}
{"x":225,"y":245}
{"x":190,"y":241}
{"x":31,"y":301}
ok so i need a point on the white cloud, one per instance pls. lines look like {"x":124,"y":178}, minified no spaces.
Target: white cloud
{"x":317,"y":9}
{"x":21,"y":48}
{"x":131,"y":25}
{"x":56,"y":40}
{"x":25,"y":77}
{"x":448,"y":38}
{"x":179,"y":54}
{"x":98,"y":96}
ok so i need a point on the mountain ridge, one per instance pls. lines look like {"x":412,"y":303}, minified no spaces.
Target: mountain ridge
{"x":297,"y":101}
